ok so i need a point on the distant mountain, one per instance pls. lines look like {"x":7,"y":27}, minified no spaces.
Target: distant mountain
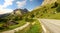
{"x":4,"y":15}
{"x":15,"y":12}
{"x":20,"y":11}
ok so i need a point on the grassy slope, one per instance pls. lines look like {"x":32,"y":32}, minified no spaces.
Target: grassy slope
{"x":36,"y":28}
{"x":13,"y":18}
{"x":47,"y":11}
{"x":13,"y":26}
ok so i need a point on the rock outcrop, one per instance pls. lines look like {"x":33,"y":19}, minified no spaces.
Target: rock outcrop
{"x":45,"y":2}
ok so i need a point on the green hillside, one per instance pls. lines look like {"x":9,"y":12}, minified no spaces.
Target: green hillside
{"x":13,"y":20}
{"x":47,"y":11}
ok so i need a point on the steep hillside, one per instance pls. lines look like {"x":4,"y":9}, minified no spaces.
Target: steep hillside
{"x":48,"y":9}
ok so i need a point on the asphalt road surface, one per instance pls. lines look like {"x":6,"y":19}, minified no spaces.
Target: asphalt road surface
{"x":50,"y":25}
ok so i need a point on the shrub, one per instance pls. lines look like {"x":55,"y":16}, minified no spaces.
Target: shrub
{"x":55,"y":5}
{"x":58,"y":9}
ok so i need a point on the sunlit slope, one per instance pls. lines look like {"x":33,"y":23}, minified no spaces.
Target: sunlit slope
{"x":46,"y":11}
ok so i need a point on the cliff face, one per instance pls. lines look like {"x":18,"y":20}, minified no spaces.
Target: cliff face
{"x":45,"y":2}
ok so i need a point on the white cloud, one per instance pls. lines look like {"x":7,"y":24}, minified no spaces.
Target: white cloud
{"x":2,"y":11}
{"x":3,"y":7}
{"x":21,"y":3}
{"x":7,"y":3}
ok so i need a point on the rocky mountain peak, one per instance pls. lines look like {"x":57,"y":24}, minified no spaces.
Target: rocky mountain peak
{"x":20,"y":11}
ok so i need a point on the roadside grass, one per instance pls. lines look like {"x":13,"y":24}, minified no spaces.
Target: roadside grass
{"x":51,"y":16}
{"x":55,"y":16}
{"x":18,"y":25}
{"x":13,"y":26}
{"x":36,"y":28}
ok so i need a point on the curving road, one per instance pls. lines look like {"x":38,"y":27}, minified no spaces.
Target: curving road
{"x":17,"y":29}
{"x":50,"y":25}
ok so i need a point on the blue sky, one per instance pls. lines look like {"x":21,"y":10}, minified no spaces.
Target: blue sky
{"x":9,"y":5}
